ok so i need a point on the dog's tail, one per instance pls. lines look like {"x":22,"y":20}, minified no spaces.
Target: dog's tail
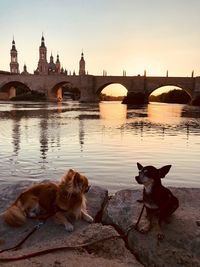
{"x":14,"y":216}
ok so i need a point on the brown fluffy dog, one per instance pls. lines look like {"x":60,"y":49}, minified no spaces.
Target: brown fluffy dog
{"x":51,"y":199}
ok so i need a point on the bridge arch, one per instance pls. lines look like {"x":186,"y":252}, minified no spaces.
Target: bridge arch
{"x":56,"y":91}
{"x":11,"y":89}
{"x":180,"y":97}
{"x":184,"y":87}
{"x":103,"y":86}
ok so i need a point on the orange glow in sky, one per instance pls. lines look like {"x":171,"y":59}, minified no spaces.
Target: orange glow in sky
{"x":115,"y":35}
{"x":115,"y":90}
{"x":119,"y":90}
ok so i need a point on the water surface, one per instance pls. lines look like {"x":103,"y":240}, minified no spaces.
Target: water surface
{"x":104,"y":141}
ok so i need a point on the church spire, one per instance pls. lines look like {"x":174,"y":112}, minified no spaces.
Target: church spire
{"x":51,"y":58}
{"x":58,"y":70}
{"x":57,"y":61}
{"x":42,"y":41}
{"x":13,"y":45}
{"x":14,"y":65}
{"x":82,"y":65}
{"x":42,"y":63}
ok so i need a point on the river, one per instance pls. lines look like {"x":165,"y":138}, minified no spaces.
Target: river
{"x":103,"y":141}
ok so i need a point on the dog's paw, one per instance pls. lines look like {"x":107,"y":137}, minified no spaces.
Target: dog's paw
{"x":69,"y":227}
{"x":89,"y":219}
{"x":86,"y":217}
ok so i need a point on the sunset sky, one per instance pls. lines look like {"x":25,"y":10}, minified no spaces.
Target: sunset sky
{"x":115,"y":35}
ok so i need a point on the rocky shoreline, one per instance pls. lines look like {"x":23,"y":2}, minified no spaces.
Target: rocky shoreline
{"x":113,"y":216}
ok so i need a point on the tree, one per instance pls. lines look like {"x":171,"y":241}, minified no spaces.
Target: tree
{"x":173,"y":96}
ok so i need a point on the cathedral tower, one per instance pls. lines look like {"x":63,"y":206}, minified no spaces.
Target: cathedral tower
{"x":82,"y":65}
{"x":58,"y":64}
{"x":42,"y":63}
{"x":14,"y":65}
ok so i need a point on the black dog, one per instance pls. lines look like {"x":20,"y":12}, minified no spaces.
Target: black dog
{"x":159,"y":201}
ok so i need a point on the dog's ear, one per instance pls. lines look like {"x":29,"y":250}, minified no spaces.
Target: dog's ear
{"x":164,"y":170}
{"x":68,"y":176}
{"x":139,"y":166}
{"x":77,"y":178}
{"x":70,"y":173}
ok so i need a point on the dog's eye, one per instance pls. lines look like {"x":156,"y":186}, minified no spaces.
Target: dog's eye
{"x":87,"y":189}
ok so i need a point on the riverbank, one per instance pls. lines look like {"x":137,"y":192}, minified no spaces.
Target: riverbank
{"x":179,"y":248}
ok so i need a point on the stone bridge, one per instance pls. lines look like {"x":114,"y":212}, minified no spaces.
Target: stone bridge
{"x":90,"y":86}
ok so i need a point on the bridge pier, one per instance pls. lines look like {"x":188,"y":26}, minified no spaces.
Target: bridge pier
{"x":87,"y":95}
{"x":136,"y":98}
{"x":196,"y":92}
{"x":87,"y":89}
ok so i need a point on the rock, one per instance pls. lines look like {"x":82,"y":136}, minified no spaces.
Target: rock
{"x":181,"y":245}
{"x":95,"y":199}
{"x":111,"y":253}
{"x":123,"y":209}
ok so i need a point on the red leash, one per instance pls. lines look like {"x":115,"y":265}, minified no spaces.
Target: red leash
{"x":36,"y":227}
{"x":46,"y":251}
{"x":139,"y":218}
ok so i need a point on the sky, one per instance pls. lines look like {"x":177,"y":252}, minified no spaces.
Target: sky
{"x":115,"y":35}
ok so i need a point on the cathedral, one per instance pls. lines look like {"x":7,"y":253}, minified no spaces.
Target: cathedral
{"x":14,"y":65}
{"x":44,"y":67}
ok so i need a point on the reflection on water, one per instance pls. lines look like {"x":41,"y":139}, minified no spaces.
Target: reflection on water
{"x":113,"y":113}
{"x":164,"y":114}
{"x":16,"y":135}
{"x":44,"y":138}
{"x":104,"y":141}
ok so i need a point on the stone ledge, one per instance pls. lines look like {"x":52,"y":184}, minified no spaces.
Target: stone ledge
{"x":112,"y":253}
{"x":181,"y":246}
